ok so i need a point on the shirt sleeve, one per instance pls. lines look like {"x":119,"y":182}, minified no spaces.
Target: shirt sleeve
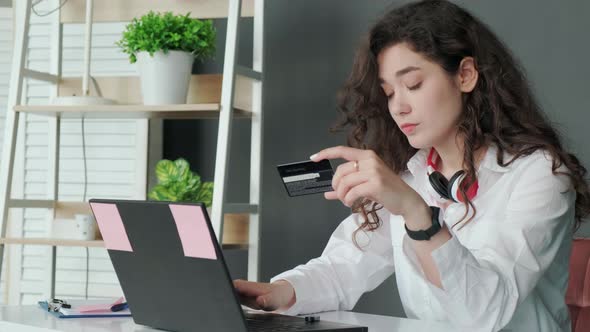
{"x":337,"y":279}
{"x":482,"y":288}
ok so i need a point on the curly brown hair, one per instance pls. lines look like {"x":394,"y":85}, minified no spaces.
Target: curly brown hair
{"x":501,"y":109}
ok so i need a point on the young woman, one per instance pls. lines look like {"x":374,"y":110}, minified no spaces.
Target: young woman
{"x":457,"y":181}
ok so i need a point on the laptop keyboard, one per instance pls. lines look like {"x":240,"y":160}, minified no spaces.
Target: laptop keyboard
{"x":257,"y":326}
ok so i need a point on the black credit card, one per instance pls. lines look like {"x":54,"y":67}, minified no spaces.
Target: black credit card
{"x":307,"y":177}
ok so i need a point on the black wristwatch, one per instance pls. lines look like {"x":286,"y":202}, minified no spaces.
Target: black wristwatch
{"x":426,"y":234}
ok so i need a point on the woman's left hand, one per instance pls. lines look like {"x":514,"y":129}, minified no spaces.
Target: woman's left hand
{"x":365,"y":175}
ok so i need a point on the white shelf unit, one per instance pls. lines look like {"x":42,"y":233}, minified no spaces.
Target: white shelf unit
{"x":225,"y":109}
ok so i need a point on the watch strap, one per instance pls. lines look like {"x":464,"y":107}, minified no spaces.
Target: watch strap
{"x":426,"y":234}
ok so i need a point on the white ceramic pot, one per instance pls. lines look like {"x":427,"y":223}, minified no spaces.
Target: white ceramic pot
{"x":165,"y":77}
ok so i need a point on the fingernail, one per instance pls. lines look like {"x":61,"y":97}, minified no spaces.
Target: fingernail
{"x":313,"y":156}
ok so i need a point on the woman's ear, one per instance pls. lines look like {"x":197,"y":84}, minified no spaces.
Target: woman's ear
{"x":467,"y":75}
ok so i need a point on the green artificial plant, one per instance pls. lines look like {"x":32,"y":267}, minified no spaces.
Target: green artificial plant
{"x":177,"y":183}
{"x":165,"y":32}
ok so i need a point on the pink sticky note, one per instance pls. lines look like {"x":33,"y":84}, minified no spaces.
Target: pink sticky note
{"x":111,"y":226}
{"x":98,"y":307}
{"x":193,"y":231}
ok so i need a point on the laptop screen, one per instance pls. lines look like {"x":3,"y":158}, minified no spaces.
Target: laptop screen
{"x":169,"y":264}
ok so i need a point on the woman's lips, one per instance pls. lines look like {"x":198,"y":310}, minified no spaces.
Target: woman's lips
{"x":408,"y":128}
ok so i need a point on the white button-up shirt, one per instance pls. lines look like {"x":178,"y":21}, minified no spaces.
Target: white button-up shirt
{"x":505,"y":269}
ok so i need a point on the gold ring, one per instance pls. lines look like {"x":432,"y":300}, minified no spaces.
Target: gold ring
{"x":356,"y":166}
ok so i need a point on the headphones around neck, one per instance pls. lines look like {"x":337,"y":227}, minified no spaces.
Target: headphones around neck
{"x":448,"y":189}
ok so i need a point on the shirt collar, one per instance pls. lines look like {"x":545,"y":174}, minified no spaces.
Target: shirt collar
{"x":417,"y":164}
{"x":490,"y":160}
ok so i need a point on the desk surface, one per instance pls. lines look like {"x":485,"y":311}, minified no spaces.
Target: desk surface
{"x":32,"y":316}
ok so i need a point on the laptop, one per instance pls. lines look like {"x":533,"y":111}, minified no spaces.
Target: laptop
{"x":173,"y":274}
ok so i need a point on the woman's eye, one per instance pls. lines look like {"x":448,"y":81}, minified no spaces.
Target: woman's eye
{"x":415,"y":87}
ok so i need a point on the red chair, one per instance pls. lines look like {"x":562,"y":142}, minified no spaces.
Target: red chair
{"x":577,"y":296}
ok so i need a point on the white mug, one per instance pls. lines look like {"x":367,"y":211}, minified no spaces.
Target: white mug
{"x":85,"y":226}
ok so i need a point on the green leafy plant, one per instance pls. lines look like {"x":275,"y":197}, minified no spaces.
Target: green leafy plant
{"x":165,"y":32}
{"x":177,"y":183}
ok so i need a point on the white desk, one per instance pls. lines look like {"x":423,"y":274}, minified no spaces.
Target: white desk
{"x":32,"y":316}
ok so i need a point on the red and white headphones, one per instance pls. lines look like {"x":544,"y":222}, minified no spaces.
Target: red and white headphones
{"x":448,"y":189}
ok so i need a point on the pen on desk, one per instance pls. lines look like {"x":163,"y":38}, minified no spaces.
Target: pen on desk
{"x":120,"y":306}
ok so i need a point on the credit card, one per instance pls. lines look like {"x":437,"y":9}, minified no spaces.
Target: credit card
{"x":307,"y":177}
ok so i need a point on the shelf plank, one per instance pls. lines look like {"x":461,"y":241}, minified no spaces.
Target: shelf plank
{"x":204,"y":89}
{"x":53,"y":242}
{"x":180,"y":111}
{"x":68,"y":210}
{"x":82,"y":243}
{"x":125,"y":10}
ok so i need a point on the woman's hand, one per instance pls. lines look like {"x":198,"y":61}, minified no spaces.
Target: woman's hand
{"x":264,"y":296}
{"x":365,"y":175}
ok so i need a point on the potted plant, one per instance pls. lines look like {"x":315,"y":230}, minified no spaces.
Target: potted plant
{"x":165,"y":46}
{"x":177,"y":183}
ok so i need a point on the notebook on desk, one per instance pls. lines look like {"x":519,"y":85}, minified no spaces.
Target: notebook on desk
{"x":173,"y":274}
{"x":82,"y":309}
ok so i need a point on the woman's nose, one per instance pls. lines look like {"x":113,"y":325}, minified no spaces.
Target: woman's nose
{"x":397,"y":108}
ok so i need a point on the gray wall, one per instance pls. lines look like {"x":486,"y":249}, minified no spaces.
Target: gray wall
{"x":309,"y":46}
